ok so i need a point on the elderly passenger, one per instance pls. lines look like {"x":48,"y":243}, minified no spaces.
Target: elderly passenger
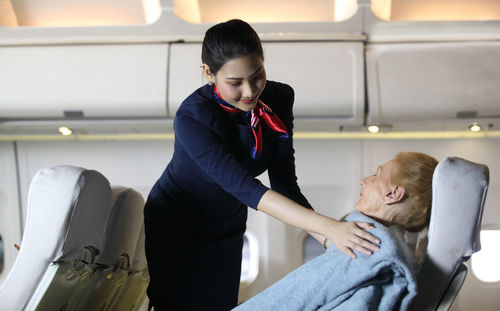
{"x":400,"y":191}
{"x":396,"y":198}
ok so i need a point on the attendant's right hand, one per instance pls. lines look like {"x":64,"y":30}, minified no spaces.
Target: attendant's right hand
{"x":350,"y":236}
{"x":346,"y":236}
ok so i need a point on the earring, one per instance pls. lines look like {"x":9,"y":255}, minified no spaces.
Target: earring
{"x":382,"y":200}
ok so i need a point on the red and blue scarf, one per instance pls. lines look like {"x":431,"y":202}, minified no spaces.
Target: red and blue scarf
{"x":261,"y":113}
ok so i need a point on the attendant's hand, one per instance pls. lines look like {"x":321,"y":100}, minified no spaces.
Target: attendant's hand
{"x":350,"y":236}
{"x":347,"y":236}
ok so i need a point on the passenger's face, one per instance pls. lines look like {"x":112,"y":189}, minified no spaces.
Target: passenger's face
{"x":240,"y":81}
{"x":375,"y":188}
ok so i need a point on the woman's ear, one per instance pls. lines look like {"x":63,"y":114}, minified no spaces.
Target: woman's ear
{"x":396,"y":195}
{"x":207,"y":73}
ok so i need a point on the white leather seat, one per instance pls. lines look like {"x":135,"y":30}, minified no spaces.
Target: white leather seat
{"x":113,"y":264}
{"x":68,"y":208}
{"x":459,"y":192}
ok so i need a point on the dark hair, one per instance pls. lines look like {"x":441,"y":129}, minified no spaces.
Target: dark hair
{"x":225,"y":41}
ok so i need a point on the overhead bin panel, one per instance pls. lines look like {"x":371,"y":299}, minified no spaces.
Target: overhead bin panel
{"x":433,"y":81}
{"x":122,"y":80}
{"x":327,"y":77}
{"x":185,"y":75}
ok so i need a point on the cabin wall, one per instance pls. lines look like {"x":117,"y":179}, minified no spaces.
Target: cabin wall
{"x":328,"y":171}
{"x":10,"y":216}
{"x":135,"y":164}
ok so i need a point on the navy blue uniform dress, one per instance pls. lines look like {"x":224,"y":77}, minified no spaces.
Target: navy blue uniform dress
{"x":196,"y":213}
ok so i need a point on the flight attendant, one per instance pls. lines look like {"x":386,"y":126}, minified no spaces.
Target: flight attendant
{"x":226,"y":133}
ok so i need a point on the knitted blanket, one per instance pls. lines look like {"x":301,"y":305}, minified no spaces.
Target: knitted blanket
{"x":384,"y":280}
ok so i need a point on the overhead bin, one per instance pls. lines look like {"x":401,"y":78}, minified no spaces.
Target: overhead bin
{"x":184,"y":71}
{"x":328,"y":77}
{"x":432,"y":81}
{"x":81,"y":81}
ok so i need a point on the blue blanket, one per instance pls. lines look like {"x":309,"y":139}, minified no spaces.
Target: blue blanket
{"x":334,"y":281}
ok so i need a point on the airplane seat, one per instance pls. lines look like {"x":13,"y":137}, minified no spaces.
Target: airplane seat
{"x":459,"y":192}
{"x":119,"y":242}
{"x":133,"y":297}
{"x":67,"y":210}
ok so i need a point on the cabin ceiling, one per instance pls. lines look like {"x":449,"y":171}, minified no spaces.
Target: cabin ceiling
{"x":210,"y":11}
{"x":67,"y":13}
{"x":63,"y":13}
{"x":432,"y":10}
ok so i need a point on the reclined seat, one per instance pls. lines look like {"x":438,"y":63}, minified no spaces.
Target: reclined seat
{"x":68,"y":208}
{"x":459,"y":192}
{"x":112,"y":265}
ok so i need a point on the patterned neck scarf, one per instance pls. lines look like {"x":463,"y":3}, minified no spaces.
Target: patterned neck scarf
{"x":261,"y":113}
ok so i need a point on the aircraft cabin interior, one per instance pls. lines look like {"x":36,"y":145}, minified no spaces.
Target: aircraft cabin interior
{"x":88,"y":95}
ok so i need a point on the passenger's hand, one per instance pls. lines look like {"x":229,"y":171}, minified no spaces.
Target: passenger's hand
{"x":350,"y":236}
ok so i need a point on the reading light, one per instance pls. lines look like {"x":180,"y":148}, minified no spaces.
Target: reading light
{"x":474,"y":127}
{"x":373,"y":129}
{"x":152,"y":10}
{"x":65,"y":131}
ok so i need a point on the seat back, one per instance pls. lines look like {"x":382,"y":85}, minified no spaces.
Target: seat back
{"x":452,"y":291}
{"x":114,"y":263}
{"x":67,"y":210}
{"x":134,"y":294}
{"x":459,"y":192}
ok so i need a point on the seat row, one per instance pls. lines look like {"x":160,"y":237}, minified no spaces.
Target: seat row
{"x":82,"y":246}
